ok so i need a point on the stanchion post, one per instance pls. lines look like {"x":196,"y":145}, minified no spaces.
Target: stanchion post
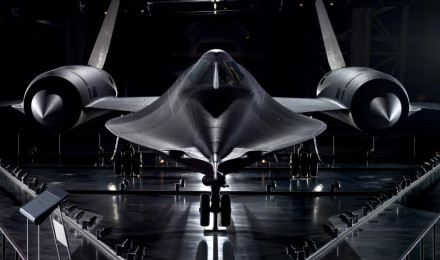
{"x":62,"y":223}
{"x":27,"y":238}
{"x":54,"y":236}
{"x":38,"y":242}
{"x":434,"y":242}
{"x":4,"y":246}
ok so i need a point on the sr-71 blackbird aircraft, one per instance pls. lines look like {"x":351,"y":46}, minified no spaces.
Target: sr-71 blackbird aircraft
{"x":216,"y":117}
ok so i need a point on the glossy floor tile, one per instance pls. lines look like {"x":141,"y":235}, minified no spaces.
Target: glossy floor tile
{"x":250,"y":180}
{"x":262,"y":226}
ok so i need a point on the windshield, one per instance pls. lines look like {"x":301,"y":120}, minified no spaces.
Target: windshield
{"x":228,"y":71}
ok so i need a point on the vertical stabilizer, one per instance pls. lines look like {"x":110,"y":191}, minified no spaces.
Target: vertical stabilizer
{"x":334,"y":54}
{"x":102,"y":44}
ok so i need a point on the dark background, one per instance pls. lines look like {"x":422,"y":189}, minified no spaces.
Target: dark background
{"x":280,"y":44}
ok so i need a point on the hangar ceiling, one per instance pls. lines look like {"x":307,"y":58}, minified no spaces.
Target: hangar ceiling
{"x":42,"y":34}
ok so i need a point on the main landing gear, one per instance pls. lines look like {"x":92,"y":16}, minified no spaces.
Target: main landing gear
{"x":304,"y":165}
{"x":215,"y":203}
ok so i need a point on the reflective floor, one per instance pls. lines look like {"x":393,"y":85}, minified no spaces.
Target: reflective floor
{"x":351,"y":179}
{"x":262,"y":226}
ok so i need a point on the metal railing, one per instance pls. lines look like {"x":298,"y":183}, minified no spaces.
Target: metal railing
{"x":18,"y":253}
{"x":421,"y":241}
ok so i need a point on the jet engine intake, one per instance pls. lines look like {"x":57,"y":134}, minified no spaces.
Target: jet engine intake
{"x":56,"y":99}
{"x":377,"y":102}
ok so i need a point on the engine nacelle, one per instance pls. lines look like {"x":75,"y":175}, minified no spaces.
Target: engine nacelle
{"x":377,"y":102}
{"x":56,"y":98}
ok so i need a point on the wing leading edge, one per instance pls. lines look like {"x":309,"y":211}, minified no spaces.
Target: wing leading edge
{"x":127,"y":104}
{"x":304,"y":105}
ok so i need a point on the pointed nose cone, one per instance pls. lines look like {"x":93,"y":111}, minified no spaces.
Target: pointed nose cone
{"x":386,"y":110}
{"x":47,"y":108}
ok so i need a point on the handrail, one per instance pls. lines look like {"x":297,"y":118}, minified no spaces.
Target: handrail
{"x":420,"y":238}
{"x":18,"y":251}
{"x":332,"y":243}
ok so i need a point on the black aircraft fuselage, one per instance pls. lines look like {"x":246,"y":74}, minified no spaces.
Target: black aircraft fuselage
{"x":215,"y":116}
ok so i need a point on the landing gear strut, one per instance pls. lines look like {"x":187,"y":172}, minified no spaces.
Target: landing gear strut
{"x":304,"y":165}
{"x":220,"y":203}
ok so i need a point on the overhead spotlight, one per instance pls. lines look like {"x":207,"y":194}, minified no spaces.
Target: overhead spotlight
{"x":105,"y":12}
{"x":162,"y":161}
{"x":331,"y":3}
{"x":263,"y":161}
{"x":142,"y":11}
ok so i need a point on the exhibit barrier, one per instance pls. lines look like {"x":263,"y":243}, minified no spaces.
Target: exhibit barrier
{"x":420,"y":241}
{"x":71,"y":221}
{"x":369,"y":212}
{"x":5,"y":237}
{"x":75,"y":148}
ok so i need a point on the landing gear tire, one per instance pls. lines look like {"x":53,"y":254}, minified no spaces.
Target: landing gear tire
{"x":294,"y":165}
{"x":304,"y":164}
{"x":204,"y":209}
{"x":117,"y":163}
{"x":225,"y":210}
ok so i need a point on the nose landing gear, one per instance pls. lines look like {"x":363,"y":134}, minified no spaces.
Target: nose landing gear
{"x":220,"y":203}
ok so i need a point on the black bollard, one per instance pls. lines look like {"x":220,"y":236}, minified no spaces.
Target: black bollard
{"x":346,"y":220}
{"x":24,"y":178}
{"x":43,"y":187}
{"x":312,"y":244}
{"x":92,"y":221}
{"x":334,"y":186}
{"x":103,"y":232}
{"x":70,"y":209}
{"x":366,"y":207}
{"x":331,"y":231}
{"x":292,"y":252}
{"x":78,"y":216}
{"x":353,"y":216}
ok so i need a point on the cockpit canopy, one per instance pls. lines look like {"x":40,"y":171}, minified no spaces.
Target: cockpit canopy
{"x":203,"y":72}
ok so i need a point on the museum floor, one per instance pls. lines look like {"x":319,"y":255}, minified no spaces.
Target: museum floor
{"x":263,"y":224}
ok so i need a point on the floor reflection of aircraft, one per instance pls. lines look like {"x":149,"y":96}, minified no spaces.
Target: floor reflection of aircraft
{"x":208,"y":249}
{"x":216,"y":117}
